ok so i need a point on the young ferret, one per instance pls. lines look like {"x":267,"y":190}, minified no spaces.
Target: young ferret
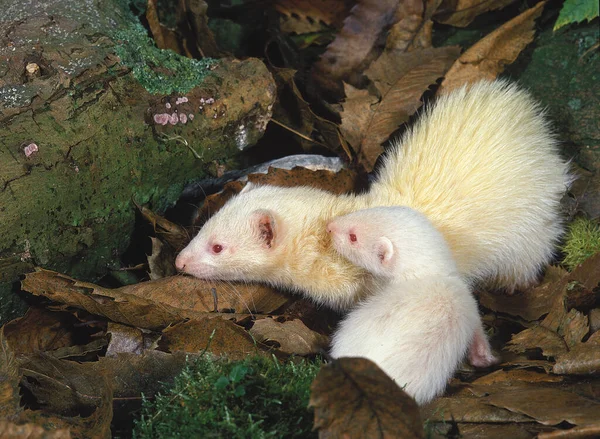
{"x":481,"y":164}
{"x":421,"y":319}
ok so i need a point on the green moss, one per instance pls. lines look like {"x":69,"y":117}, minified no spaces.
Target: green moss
{"x":159,"y":71}
{"x":254,"y":398}
{"x":583,"y":241}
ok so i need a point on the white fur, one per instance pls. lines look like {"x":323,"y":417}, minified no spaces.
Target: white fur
{"x":418,"y":325}
{"x":481,"y":164}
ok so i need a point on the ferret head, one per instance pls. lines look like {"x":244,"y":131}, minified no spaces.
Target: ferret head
{"x":391,"y":242}
{"x":239,"y":242}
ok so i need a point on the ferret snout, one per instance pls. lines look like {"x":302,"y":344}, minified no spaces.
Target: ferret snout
{"x":181,"y":261}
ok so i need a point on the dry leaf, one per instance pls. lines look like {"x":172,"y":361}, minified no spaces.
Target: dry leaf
{"x":80,"y":396}
{"x":9,"y":380}
{"x":303,"y":16}
{"x":175,"y":235}
{"x":548,"y":406}
{"x":352,"y":397}
{"x":154,"y":304}
{"x":400,"y":79}
{"x":583,"y":359}
{"x":193,"y":20}
{"x":532,"y":303}
{"x":510,"y":376}
{"x":350,"y":50}
{"x":125,"y":338}
{"x":412,"y":28}
{"x":218,"y":336}
{"x":577,"y":432}
{"x":494,"y":431}
{"x":461,"y":13}
{"x":467,"y":408}
{"x":487,"y":58}
{"x":547,"y":340}
{"x":164,"y":37}
{"x":292,"y":336}
{"x":162,"y":260}
{"x":39,"y":330}
{"x":30,"y":431}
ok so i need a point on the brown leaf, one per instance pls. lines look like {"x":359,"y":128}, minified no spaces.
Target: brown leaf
{"x":38,"y":330}
{"x":583,"y":359}
{"x":81,"y":397}
{"x":176,"y":236}
{"x":154,"y":304}
{"x":162,"y":260}
{"x":487,"y":58}
{"x":349,"y":52}
{"x":293,"y":336}
{"x":467,"y":408}
{"x":548,"y":406}
{"x":125,"y":338}
{"x":9,"y":380}
{"x":192,"y":17}
{"x":494,"y":431}
{"x":30,"y":431}
{"x":336,"y":182}
{"x":218,"y":336}
{"x":330,"y":12}
{"x":461,"y":13}
{"x":578,"y":432}
{"x":516,"y":375}
{"x":532,"y":303}
{"x":412,"y":28}
{"x":164,"y":37}
{"x":400,"y":79}
{"x":77,"y":352}
{"x":352,"y":397}
{"x":294,"y":113}
{"x":547,"y":340}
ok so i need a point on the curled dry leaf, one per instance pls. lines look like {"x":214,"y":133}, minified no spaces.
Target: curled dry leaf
{"x":487,"y":58}
{"x":336,"y":182}
{"x":154,"y":304}
{"x":293,"y":336}
{"x":164,"y":37}
{"x":400,"y":79}
{"x":217,"y":336}
{"x":352,"y":397}
{"x":461,"y":13}
{"x":515,"y":375}
{"x":176,"y":236}
{"x":302,"y":16}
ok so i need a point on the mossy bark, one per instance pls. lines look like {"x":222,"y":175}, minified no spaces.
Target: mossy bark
{"x":81,"y":137}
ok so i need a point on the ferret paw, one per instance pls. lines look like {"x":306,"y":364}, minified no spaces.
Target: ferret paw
{"x":480,"y":351}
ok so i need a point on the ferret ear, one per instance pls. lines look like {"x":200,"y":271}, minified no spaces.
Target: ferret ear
{"x":263,"y":222}
{"x":385,"y":251}
{"x":248,"y":187}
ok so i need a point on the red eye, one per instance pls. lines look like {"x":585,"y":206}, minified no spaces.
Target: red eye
{"x":217,"y":248}
{"x":352,"y":237}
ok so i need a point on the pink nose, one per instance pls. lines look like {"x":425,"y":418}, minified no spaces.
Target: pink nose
{"x":180,"y":262}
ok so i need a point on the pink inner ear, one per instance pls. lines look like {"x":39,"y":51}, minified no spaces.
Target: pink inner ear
{"x":266,"y":229}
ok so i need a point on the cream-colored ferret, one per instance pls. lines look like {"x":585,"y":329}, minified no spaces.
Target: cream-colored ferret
{"x":421,"y":319}
{"x":481,"y":164}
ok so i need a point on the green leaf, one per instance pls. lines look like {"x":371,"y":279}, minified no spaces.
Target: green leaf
{"x":221,"y":383}
{"x":576,"y":11}
{"x":238,"y":373}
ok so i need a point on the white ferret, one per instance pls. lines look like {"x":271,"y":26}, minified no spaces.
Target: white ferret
{"x":420,"y":321}
{"x":481,"y":164}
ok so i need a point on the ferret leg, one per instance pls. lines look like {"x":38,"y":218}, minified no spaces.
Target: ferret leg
{"x":480,"y":351}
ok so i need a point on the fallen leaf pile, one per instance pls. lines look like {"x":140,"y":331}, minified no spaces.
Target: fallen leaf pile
{"x":85,"y":352}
